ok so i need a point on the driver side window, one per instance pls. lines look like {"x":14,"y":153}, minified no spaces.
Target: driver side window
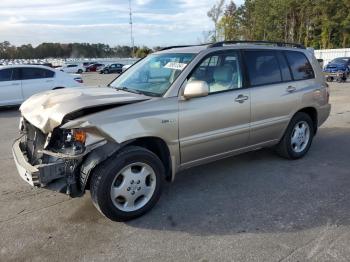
{"x":221,"y":71}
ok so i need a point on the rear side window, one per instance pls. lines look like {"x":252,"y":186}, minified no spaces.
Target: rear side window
{"x":36,"y":73}
{"x":263,"y":67}
{"x":286,"y":76}
{"x":5,"y":75}
{"x":300,"y":65}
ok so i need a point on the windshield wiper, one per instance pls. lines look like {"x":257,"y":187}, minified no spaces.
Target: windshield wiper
{"x":140,"y":92}
{"x":128,"y":90}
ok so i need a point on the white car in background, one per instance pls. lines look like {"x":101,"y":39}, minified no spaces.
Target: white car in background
{"x":125,"y":67}
{"x":19,"y":82}
{"x":72,"y":68}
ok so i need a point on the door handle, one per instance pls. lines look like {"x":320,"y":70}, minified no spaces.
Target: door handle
{"x":291,"y":89}
{"x":15,"y":84}
{"x":241,"y":98}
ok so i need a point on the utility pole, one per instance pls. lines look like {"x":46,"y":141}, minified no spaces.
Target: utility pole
{"x":131,"y":34}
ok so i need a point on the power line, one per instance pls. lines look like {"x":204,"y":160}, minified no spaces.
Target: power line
{"x":131,"y":33}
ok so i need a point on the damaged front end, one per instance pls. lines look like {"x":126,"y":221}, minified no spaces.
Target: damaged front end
{"x":61,"y":160}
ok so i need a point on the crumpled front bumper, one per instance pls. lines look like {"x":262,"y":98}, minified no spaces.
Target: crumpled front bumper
{"x":53,"y":176}
{"x":28,"y":173}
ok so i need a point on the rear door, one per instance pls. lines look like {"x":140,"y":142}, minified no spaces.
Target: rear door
{"x":215,"y":125}
{"x":71,"y":69}
{"x":113,"y":68}
{"x":10,"y":87}
{"x":275,"y":92}
{"x":36,"y":80}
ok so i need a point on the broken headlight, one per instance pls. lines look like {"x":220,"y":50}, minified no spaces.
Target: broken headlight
{"x":68,"y":141}
{"x":74,"y":141}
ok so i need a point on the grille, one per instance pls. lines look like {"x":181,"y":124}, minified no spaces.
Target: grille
{"x":34,"y":141}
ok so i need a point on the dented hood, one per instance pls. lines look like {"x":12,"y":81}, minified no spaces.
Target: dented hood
{"x":47,"y":110}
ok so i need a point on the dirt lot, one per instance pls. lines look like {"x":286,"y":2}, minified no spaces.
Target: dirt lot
{"x":254,"y":207}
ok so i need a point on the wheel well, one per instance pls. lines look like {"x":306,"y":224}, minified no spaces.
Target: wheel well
{"x":158,"y":147}
{"x":59,"y":87}
{"x":312,"y":112}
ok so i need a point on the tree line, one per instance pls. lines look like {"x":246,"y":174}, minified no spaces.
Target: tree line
{"x":320,"y":24}
{"x":73,"y":50}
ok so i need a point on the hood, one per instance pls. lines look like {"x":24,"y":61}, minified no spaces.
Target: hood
{"x":48,"y":109}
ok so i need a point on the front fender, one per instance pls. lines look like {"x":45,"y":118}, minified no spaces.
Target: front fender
{"x":93,"y":159}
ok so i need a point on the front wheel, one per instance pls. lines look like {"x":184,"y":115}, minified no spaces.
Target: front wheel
{"x":297,"y":139}
{"x":128,"y":184}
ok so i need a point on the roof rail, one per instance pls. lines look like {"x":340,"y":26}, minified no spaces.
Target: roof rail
{"x":174,"y":46}
{"x":180,"y":46}
{"x":279,"y":44}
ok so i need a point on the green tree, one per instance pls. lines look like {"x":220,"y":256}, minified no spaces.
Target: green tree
{"x":214,"y":14}
{"x":315,"y":23}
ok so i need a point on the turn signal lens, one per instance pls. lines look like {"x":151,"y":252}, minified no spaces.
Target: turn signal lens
{"x":79,"y":136}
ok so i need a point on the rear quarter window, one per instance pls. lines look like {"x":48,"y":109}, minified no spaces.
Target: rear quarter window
{"x":299,"y":65}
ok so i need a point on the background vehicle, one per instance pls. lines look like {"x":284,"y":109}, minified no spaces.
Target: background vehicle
{"x":87,"y":64}
{"x":337,"y":69}
{"x":112,"y":68}
{"x":72,"y":68}
{"x":94,"y":67}
{"x":124,"y":68}
{"x":175,"y":109}
{"x":17,"y":83}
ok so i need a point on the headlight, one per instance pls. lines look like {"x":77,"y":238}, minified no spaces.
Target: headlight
{"x":68,"y":141}
{"x":74,"y":141}
{"x":76,"y":135}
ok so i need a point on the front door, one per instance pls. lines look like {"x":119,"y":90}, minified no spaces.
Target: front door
{"x":217,"y":124}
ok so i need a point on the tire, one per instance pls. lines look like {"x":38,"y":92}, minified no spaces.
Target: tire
{"x":290,"y":150}
{"x":107,"y":177}
{"x":106,"y":72}
{"x":80,"y":71}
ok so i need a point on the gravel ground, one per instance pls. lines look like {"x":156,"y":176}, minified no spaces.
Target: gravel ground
{"x":253,"y":207}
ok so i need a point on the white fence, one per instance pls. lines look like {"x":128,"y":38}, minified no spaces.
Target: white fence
{"x":329,"y":54}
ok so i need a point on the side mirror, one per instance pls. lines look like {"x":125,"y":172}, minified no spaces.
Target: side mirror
{"x":196,"y":89}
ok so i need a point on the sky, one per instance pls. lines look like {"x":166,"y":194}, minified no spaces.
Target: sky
{"x":156,"y":22}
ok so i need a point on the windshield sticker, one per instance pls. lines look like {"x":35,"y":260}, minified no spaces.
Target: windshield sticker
{"x":175,"y":65}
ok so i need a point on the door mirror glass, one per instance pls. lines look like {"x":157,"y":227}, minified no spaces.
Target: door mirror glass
{"x":196,"y":88}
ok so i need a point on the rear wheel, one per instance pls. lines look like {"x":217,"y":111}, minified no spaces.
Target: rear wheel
{"x":80,"y":71}
{"x":128,"y":184}
{"x":298,"y":137}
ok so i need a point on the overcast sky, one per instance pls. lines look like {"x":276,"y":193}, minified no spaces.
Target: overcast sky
{"x":156,"y":22}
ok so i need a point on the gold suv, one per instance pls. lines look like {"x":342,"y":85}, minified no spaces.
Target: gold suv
{"x":176,"y":108}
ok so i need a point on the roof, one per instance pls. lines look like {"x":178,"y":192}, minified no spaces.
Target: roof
{"x":29,"y":66}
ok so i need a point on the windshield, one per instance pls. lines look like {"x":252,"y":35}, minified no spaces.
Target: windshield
{"x":154,"y":74}
{"x":340,"y":61}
